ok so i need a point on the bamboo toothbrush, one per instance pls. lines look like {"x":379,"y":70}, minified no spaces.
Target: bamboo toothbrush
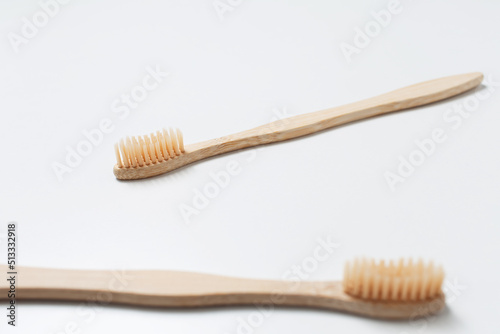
{"x":163,"y":151}
{"x":382,"y":290}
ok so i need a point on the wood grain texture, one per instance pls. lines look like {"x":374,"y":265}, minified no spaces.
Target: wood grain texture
{"x":183,"y":289}
{"x":301,"y":125}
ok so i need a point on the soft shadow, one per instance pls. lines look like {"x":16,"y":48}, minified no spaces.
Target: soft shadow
{"x":443,"y":320}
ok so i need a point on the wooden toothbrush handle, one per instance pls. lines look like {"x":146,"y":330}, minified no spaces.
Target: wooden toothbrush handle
{"x":301,"y":125}
{"x":146,"y":288}
{"x":183,"y":289}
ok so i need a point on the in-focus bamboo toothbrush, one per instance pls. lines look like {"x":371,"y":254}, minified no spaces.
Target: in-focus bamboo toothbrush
{"x":381,"y":290}
{"x":163,"y":151}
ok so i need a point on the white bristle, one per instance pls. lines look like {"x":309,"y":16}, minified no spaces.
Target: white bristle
{"x":150,"y":149}
{"x":390,"y":281}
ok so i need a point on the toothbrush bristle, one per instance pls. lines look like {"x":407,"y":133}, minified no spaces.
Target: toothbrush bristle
{"x":149,"y":149}
{"x":401,"y":281}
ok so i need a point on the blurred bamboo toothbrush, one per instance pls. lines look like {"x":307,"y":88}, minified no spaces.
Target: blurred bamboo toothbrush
{"x":381,"y":290}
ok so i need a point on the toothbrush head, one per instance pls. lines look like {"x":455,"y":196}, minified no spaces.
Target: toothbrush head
{"x":404,"y":281}
{"x":141,"y":152}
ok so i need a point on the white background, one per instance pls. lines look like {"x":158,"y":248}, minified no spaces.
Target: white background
{"x":230,"y":74}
